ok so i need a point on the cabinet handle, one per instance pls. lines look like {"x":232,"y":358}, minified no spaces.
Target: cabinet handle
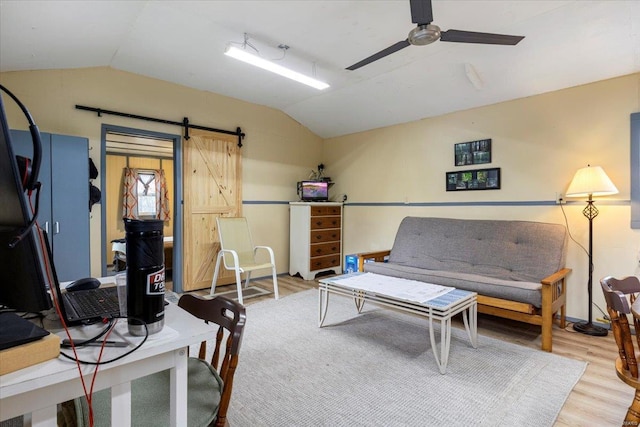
{"x":46,"y":227}
{"x":57,"y":231}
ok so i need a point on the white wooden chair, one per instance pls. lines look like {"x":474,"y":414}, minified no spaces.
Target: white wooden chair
{"x":237,"y":253}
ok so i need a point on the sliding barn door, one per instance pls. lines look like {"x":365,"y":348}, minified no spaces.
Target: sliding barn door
{"x":212,"y":188}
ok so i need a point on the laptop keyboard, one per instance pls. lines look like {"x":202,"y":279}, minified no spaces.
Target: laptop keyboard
{"x":100,"y":302}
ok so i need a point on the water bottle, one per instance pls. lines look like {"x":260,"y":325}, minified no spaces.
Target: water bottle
{"x":145,"y":275}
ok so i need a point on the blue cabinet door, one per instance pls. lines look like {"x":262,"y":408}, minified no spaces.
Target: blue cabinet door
{"x":70,"y":206}
{"x":64,"y":199}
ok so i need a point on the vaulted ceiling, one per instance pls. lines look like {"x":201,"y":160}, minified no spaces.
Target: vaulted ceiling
{"x":567,"y":43}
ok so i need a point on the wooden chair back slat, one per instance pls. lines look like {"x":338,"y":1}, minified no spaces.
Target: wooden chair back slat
{"x":620,"y":295}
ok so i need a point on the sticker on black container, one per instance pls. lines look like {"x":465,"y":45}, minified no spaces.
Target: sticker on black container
{"x":155,"y":283}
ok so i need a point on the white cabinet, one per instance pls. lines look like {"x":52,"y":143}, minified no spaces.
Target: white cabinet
{"x":315,"y":238}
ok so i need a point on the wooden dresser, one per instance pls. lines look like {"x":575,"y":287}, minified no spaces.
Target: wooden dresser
{"x":315,"y":238}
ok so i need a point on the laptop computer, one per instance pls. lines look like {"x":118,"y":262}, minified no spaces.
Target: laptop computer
{"x":14,"y":331}
{"x":90,"y":305}
{"x":84,"y":306}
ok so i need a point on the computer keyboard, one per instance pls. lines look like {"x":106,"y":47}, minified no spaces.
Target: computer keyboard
{"x":101,"y":302}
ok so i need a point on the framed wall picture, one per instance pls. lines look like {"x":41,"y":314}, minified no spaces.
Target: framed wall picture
{"x":478,"y":179}
{"x":472,"y":153}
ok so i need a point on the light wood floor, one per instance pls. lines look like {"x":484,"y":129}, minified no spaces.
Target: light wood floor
{"x":599,"y":399}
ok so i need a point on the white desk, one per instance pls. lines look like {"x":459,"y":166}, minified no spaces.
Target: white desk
{"x":37,"y":389}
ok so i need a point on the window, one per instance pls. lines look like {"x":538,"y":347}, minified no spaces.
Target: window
{"x":145,"y":194}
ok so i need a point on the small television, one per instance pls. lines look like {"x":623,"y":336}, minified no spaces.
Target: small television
{"x":23,"y":271}
{"x":313,"y":191}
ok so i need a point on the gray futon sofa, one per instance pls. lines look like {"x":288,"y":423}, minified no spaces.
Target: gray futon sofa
{"x":516,"y":267}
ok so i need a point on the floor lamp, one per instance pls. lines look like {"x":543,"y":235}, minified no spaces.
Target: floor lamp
{"x":590,"y":181}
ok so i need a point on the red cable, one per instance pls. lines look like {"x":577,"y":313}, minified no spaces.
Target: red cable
{"x":95,"y":373}
{"x":89,"y":400}
{"x":56,"y":304}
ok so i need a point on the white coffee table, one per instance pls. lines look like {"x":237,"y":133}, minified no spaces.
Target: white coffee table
{"x":386,"y":292}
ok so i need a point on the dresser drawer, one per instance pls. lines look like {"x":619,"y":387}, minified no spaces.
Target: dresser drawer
{"x":322,"y":249}
{"x":319,"y":263}
{"x":320,"y":236}
{"x":321,"y":222}
{"x":325,"y":210}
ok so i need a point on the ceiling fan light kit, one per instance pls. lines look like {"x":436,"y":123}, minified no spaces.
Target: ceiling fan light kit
{"x":426,"y":33}
{"x":249,"y":58}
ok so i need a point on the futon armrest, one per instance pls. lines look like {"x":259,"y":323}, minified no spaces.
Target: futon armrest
{"x":554,"y":300}
{"x":555,"y":277}
{"x":377,"y":256}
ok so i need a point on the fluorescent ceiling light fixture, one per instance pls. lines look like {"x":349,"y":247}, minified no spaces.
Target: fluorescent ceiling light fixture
{"x":244,"y":56}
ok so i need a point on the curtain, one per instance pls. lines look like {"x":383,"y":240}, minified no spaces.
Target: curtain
{"x":129,"y":198}
{"x":139,"y":186}
{"x":162,"y":195}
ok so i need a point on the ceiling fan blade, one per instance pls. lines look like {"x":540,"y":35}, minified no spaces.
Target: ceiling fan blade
{"x":482,"y":38}
{"x":388,"y":51}
{"x":421,"y":12}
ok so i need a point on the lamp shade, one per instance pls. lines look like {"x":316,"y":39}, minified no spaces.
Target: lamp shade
{"x":591,"y":180}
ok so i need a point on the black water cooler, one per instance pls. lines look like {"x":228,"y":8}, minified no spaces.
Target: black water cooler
{"x":145,"y":275}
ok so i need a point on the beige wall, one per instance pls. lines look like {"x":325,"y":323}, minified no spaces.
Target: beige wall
{"x":277,"y":150}
{"x":538,"y":142}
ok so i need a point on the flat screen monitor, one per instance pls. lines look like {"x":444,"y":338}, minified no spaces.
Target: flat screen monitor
{"x":314,"y":191}
{"x":23,"y":278}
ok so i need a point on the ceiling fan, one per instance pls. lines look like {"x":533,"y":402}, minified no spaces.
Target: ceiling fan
{"x":426,"y":33}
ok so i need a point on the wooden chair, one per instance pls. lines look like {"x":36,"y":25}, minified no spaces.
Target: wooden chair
{"x":238,"y":253}
{"x":618,"y":306}
{"x":209,"y":383}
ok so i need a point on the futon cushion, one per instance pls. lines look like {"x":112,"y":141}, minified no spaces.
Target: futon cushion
{"x":513,"y":290}
{"x":150,"y":399}
{"x":507,"y":250}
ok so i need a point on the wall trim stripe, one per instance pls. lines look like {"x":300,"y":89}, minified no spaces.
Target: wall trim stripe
{"x":523,"y":203}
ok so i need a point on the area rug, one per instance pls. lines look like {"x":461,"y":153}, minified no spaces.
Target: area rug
{"x":377,"y":369}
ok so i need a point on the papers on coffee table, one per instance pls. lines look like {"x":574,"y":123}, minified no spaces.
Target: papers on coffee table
{"x":409,"y":290}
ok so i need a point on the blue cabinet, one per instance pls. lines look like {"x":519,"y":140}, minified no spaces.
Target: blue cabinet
{"x":64,"y":199}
